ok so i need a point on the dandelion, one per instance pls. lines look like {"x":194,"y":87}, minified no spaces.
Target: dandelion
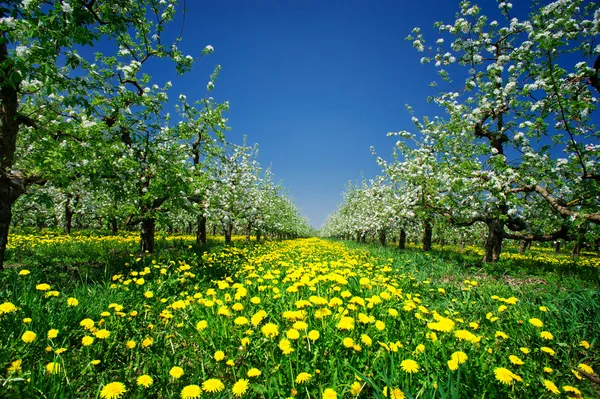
{"x":548,"y":370}
{"x":176,"y":372}
{"x":329,"y":394}
{"x":452,"y":364}
{"x":346,"y":323}
{"x":348,"y":342}
{"x":292,"y":333}
{"x":460,"y":357}
{"x":365,"y":339}
{"x":395,"y":393}
{"x":87,"y":340}
{"x":15,"y":366}
{"x":549,"y":351}
{"x":546,"y":335}
{"x":24,"y":272}
{"x":286,"y":346}
{"x":42,"y":287}
{"x":28,"y":336}
{"x":585,"y":368}
{"x":130,"y":344}
{"x":585,"y":344}
{"x":191,"y":392}
{"x":145,"y":381}
{"x":240,"y":387}
{"x":505,"y":376}
{"x":302,"y":378}
{"x":53,"y":333}
{"x":213,"y":385}
{"x":550,"y":386}
{"x":569,"y":388}
{"x":72,"y":302}
{"x":219,"y":355}
{"x":313,"y":335}
{"x":515,"y":360}
{"x":254,"y":372}
{"x":201,"y":325}
{"x":270,"y":330}
{"x":355,"y":388}
{"x":53,"y":368}
{"x":88,"y":324}
{"x":409,"y":366}
{"x":95,"y":362}
{"x":7,"y":307}
{"x":536,"y":322}
{"x":147,"y":342}
{"x":102,"y":334}
{"x":114,"y":390}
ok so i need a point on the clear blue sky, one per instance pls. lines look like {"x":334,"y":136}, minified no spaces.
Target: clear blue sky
{"x":316,"y":83}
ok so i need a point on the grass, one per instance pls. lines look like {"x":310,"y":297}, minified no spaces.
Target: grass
{"x":316,"y":318}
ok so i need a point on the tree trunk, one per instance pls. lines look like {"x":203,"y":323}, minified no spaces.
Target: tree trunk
{"x":493,"y":242}
{"x":382,"y":237}
{"x":363,"y":238}
{"x":68,"y":215}
{"x":248,"y":232}
{"x":524,"y":245}
{"x":358,"y":236}
{"x":214,"y":230}
{"x":402,"y":240}
{"x":427,"y":234}
{"x":114,"y":226}
{"x":201,"y":232}
{"x":147,"y":234}
{"x":228,"y":231}
{"x":9,"y":129}
{"x":557,"y":246}
{"x":257,"y":235}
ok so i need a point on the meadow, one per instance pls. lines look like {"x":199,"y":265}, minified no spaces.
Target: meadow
{"x":84,"y":316}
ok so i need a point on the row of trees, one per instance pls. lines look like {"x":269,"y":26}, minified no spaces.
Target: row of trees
{"x":516,"y":152}
{"x":96,"y":131}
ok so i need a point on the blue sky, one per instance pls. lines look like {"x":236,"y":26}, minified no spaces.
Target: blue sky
{"x":316,"y":83}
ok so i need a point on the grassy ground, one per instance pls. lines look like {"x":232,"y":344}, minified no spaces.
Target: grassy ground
{"x":303,"y":318}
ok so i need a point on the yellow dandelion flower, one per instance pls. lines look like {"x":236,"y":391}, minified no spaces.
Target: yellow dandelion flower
{"x":254,"y":372}
{"x":355,"y":388}
{"x":410,"y":366}
{"x":53,"y":333}
{"x":313,"y":335}
{"x":131,"y":344}
{"x":42,"y":287}
{"x":515,"y":360}
{"x":571,"y":389}
{"x":176,"y":372}
{"x":240,"y":387}
{"x":201,"y":325}
{"x":302,"y":378}
{"x":72,"y":302}
{"x":505,"y":376}
{"x":53,"y":368}
{"x":460,"y":357}
{"x":550,"y":386}
{"x":102,"y":334}
{"x":585,"y":344}
{"x":213,"y":385}
{"x":24,"y":272}
{"x":191,"y":392}
{"x":270,"y":330}
{"x":585,"y":368}
{"x":145,"y":381}
{"x":219,"y":355}
{"x":452,"y":364}
{"x":348,"y":342}
{"x":546,"y":335}
{"x":88,"y":324}
{"x":536,"y":322}
{"x":549,"y":351}
{"x":147,"y":342}
{"x":114,"y":390}
{"x":329,"y":393}
{"x":28,"y":336}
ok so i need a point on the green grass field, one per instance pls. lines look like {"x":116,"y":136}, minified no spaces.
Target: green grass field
{"x":85,"y":317}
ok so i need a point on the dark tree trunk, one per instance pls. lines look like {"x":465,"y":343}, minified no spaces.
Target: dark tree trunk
{"x":524,"y":245}
{"x":557,"y":246}
{"x":114,"y":226}
{"x":493,"y":243}
{"x":382,"y":237}
{"x":214,"y":230}
{"x":147,"y":234}
{"x":427,"y":234}
{"x":228,"y":231}
{"x":248,"y":232}
{"x":357,"y":236}
{"x":257,"y":235}
{"x":201,"y":232}
{"x":9,"y":129}
{"x":402,"y":240}
{"x":363,"y":238}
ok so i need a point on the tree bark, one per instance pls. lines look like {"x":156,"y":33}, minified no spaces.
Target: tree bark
{"x":228,"y":231}
{"x":5,"y":216}
{"x":214,"y":230}
{"x":257,"y":235}
{"x":493,"y":242}
{"x":524,"y":245}
{"x":248,"y":232}
{"x":402,"y":240}
{"x":427,"y":235}
{"x":201,"y":232}
{"x":147,"y":234}
{"x":114,"y":227}
{"x":382,"y":237}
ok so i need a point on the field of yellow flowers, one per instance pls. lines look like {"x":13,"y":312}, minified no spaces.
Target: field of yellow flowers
{"x":305,"y":318}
